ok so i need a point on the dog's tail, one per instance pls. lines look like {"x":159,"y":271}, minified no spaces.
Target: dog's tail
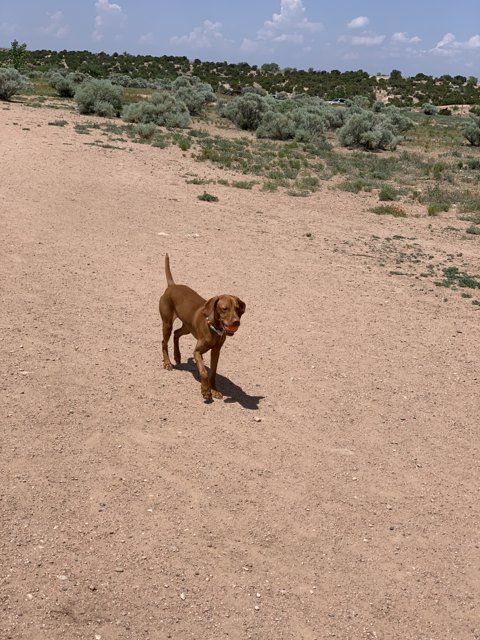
{"x":168,"y":273}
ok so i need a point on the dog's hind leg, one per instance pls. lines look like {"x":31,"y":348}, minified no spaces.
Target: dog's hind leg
{"x":177,"y":334}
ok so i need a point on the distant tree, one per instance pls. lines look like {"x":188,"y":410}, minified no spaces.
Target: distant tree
{"x":270,"y":67}
{"x":18,"y":55}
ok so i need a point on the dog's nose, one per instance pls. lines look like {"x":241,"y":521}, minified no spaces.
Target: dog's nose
{"x":236,"y":323}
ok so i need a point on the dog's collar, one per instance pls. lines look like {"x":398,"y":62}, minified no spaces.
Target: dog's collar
{"x":213,"y":327}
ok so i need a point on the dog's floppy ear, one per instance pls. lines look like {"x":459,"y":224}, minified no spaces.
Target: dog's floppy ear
{"x":241,"y":307}
{"x":209,"y":307}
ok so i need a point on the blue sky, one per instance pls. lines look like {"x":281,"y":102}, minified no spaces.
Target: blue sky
{"x":413,"y":36}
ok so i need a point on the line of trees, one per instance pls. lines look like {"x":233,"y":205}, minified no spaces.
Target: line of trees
{"x":231,"y":78}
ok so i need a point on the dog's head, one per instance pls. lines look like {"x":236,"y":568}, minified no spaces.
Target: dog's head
{"x":225,"y":312}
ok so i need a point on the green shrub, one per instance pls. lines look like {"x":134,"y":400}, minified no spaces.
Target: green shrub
{"x":207,"y":197}
{"x":184,"y":144}
{"x":247,"y":111}
{"x":437,"y":199}
{"x":472,"y":132}
{"x":65,"y":88}
{"x":429,"y":109}
{"x":243,"y":184}
{"x":437,"y":170}
{"x":66,"y":83}
{"x":358,"y":103}
{"x":389,"y":210}
{"x":146,"y":131}
{"x":163,"y":109}
{"x":276,"y":126}
{"x":310,"y":123}
{"x":11,"y":82}
{"x":127,"y":81}
{"x":387,"y":193}
{"x":95,"y":94}
{"x":435,"y":208}
{"x":369,"y":131}
{"x":104,"y":108}
{"x":398,"y":121}
{"x":194,"y":93}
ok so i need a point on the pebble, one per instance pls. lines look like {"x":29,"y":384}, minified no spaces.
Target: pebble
{"x":257,"y":419}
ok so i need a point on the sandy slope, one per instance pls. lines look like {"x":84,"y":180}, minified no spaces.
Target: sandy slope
{"x":334,"y":493}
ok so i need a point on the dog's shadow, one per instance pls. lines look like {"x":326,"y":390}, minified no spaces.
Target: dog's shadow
{"x":231,"y":391}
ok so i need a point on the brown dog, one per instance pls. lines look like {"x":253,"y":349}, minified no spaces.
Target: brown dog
{"x":209,"y":321}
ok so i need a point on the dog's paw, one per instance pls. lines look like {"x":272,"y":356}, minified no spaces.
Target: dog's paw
{"x":216,"y":394}
{"x":168,"y":366}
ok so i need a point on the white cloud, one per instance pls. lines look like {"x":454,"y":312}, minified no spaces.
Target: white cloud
{"x":202,"y":37}
{"x":358,"y":23}
{"x":402,"y":38}
{"x":365,"y":40}
{"x":449,"y":45}
{"x":473,"y":42}
{"x":109,"y":16}
{"x":57,"y":27}
{"x":291,"y":20}
{"x":294,"y":38}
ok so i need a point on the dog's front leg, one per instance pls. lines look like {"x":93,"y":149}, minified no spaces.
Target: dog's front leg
{"x":205,"y":385}
{"x":213,"y":371}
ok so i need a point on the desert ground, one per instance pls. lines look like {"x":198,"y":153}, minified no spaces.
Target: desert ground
{"x":332,"y":493}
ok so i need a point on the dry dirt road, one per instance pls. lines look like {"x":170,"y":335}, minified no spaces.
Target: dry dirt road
{"x":333,"y":493}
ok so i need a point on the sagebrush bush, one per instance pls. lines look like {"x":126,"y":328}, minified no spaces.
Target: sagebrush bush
{"x":65,"y":88}
{"x":127,"y":81}
{"x":92,"y":94}
{"x":163,"y":109}
{"x":358,"y":103}
{"x":146,"y":131}
{"x":429,"y":109}
{"x":276,"y":126}
{"x":397,"y":119}
{"x":369,"y":131}
{"x":194,"y":93}
{"x":11,"y":82}
{"x":387,"y":193}
{"x":472,"y":132}
{"x":66,"y":83}
{"x":254,"y":89}
{"x":104,"y":108}
{"x":248,"y":110}
{"x":312,"y":117}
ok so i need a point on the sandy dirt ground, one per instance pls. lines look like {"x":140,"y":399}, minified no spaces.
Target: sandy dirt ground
{"x":332,"y":493}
